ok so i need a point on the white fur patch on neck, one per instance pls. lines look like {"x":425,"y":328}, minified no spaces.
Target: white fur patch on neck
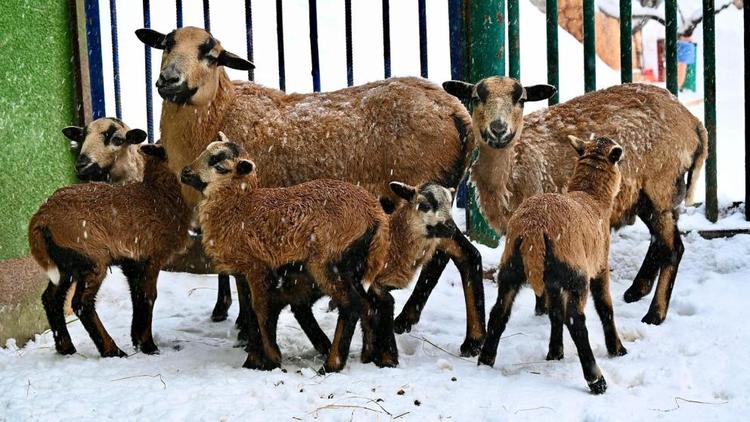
{"x":54,"y":275}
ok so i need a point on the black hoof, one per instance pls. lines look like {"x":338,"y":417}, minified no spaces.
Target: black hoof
{"x":402,"y":324}
{"x":599,"y":386}
{"x":471,"y":347}
{"x":149,"y":348}
{"x":242,"y":339}
{"x":386,"y":360}
{"x":620,"y":351}
{"x":259,"y":363}
{"x":633,"y":295}
{"x":239,"y":322}
{"x":117,"y":353}
{"x":652,"y":318}
{"x":219,"y":315}
{"x":555,"y":354}
{"x":65,"y":348}
{"x":486,"y":359}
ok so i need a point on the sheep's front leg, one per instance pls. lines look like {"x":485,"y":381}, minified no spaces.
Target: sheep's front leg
{"x":350,"y":304}
{"x":509,"y":282}
{"x":575,"y":320}
{"x":427,"y":281}
{"x":603,"y":305}
{"x":84,"y":305}
{"x":223,"y":299}
{"x":306,"y":319}
{"x":266,"y":355}
{"x":53,"y":300}
{"x":556,"y":315}
{"x":386,"y":348}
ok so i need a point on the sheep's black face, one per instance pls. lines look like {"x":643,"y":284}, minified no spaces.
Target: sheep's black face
{"x":190,"y":64}
{"x":430,"y":208}
{"x":191,"y":179}
{"x":220,"y":162}
{"x":497,"y":106}
{"x":90,"y":171}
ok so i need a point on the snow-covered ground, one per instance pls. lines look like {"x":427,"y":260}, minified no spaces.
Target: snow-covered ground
{"x":689,"y":368}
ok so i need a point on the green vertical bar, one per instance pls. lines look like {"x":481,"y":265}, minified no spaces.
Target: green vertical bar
{"x":514,"y":40}
{"x":709,"y":88}
{"x":553,"y":65}
{"x":486,"y":46}
{"x":589,"y":46}
{"x":626,"y":42}
{"x":670,"y":38}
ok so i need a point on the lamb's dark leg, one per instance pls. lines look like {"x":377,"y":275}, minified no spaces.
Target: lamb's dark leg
{"x":263,"y":307}
{"x":386,"y":349}
{"x":370,"y":321}
{"x":84,"y":305}
{"x":428,"y":278}
{"x":670,"y":234}
{"x":603,"y":304}
{"x":53,"y":300}
{"x":540,"y":307}
{"x":510,"y":278}
{"x":575,"y":320}
{"x":223,"y":299}
{"x":141,"y":278}
{"x":306,"y":319}
{"x":350,"y":304}
{"x":556,"y":309}
{"x":243,"y":297}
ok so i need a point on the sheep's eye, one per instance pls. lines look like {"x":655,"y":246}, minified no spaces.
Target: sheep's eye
{"x":211,"y":59}
{"x":475,"y":99}
{"x":117,"y":141}
{"x":423,"y":207}
{"x":221,"y":169}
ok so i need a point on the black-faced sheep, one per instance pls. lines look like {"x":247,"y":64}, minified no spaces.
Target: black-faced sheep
{"x":524,"y":156}
{"x":107,"y":151}
{"x":332,"y":230}
{"x":81,"y":230}
{"x":559,"y":243}
{"x":405,"y":129}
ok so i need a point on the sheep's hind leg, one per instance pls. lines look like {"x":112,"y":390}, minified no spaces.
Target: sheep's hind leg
{"x":223,"y":300}
{"x":53,"y":300}
{"x":385,"y":338}
{"x":84,"y":305}
{"x":306,"y":319}
{"x":575,"y":320}
{"x":674,"y":249}
{"x":427,"y":281}
{"x":603,"y":305}
{"x":350,"y":303}
{"x":655,"y":255}
{"x":141,"y":278}
{"x":510,"y":278}
{"x":243,"y":297}
{"x":556,"y":309}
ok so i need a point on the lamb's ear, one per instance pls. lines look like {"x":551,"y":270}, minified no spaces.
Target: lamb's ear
{"x":75,"y":134}
{"x":244,"y":167}
{"x":577,"y":143}
{"x":460,"y":89}
{"x":154,"y":150}
{"x":135,"y":136}
{"x":403,"y":190}
{"x":615,"y":154}
{"x":223,"y":137}
{"x":539,"y":92}
{"x":151,"y":38}
{"x":388,"y":206}
{"x":234,"y":61}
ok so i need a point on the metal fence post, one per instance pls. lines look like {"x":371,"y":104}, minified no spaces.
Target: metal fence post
{"x":147,"y":64}
{"x":746,"y":13}
{"x":178,"y":13}
{"x":115,"y":57}
{"x":314,"y":53}
{"x":589,"y":46}
{"x":457,"y":20}
{"x":422,"y":38}
{"x":670,"y":43}
{"x":386,"y":39}
{"x":553,"y":62}
{"x":249,"y":36}
{"x":626,"y":42}
{"x":94,"y":50}
{"x":514,"y":40}
{"x":349,"y":54}
{"x":280,"y":44}
{"x":206,"y":15}
{"x":709,"y":88}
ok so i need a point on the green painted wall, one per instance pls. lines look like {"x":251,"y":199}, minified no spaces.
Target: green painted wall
{"x":36,"y":101}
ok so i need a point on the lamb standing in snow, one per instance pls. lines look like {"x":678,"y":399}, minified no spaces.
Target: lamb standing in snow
{"x":333,"y":230}
{"x":524,"y":156}
{"x":83,"y":229}
{"x":559,"y":243}
{"x":107,"y":151}
{"x":405,"y":129}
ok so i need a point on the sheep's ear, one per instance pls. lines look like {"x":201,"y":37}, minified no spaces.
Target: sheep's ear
{"x":577,"y":143}
{"x":135,"y":136}
{"x":223,"y":137}
{"x":460,"y":89}
{"x":234,"y":61}
{"x":154,"y":150}
{"x":539,"y":92}
{"x":151,"y":38}
{"x":244,"y":167}
{"x":403,"y":190}
{"x":615,"y":154}
{"x":75,"y":134}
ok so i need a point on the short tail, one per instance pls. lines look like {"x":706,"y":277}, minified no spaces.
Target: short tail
{"x":39,"y":240}
{"x":699,"y":157}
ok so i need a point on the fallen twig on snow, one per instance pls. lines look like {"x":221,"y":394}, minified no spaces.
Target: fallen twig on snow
{"x":144,"y":376}
{"x":678,"y":399}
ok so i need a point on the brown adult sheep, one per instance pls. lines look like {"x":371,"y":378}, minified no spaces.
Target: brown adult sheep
{"x":524,"y":156}
{"x":404,"y":129}
{"x":333,"y":230}
{"x":107,"y":151}
{"x":559,"y":243}
{"x":83,"y":229}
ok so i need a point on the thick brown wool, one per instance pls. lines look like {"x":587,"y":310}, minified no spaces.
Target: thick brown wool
{"x":141,"y":223}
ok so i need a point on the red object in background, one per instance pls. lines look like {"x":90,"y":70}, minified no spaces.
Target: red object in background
{"x":660,"y":58}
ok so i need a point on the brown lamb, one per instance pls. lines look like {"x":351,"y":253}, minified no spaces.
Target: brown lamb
{"x":83,"y":229}
{"x":559,"y":243}
{"x":405,"y":129}
{"x":332,"y":230}
{"x":524,"y":156}
{"x":107,"y":151}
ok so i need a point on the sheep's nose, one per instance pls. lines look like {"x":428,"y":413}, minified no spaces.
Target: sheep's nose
{"x":498,"y":129}
{"x":82,"y":162}
{"x":168,"y":77}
